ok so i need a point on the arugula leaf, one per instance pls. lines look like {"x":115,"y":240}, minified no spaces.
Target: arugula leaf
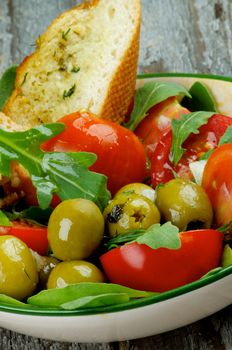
{"x":4,"y":299}
{"x":149,"y":95}
{"x":96,"y":301}
{"x":226,"y":256}
{"x":157,"y":236}
{"x":68,"y":171}
{"x":123,"y":238}
{"x":7,"y":83}
{"x":182,"y":128}
{"x":226,"y":137}
{"x":202,"y":99}
{"x":4,"y":221}
{"x":63,"y":173}
{"x":58,"y":296}
{"x":35,"y":214}
{"x":212,"y":272}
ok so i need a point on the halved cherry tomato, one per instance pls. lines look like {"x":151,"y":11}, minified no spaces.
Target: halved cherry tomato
{"x":34,"y":236}
{"x":121,"y":156}
{"x":196,"y":145}
{"x":158,"y":121}
{"x":217,"y":182}
{"x":139,"y":266}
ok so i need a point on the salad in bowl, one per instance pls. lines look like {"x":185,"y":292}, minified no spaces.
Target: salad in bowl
{"x":117,"y":221}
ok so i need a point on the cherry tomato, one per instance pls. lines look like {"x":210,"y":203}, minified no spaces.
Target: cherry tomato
{"x":217,"y":182}
{"x":141,"y":267}
{"x":158,"y":121}
{"x":162,"y":170}
{"x":34,"y":236}
{"x":121,"y":156}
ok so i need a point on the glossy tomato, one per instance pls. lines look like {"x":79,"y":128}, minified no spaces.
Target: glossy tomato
{"x":141,"y":267}
{"x":162,"y":170}
{"x":34,"y":236}
{"x":217,"y":182}
{"x":158,"y":121}
{"x":120,"y":155}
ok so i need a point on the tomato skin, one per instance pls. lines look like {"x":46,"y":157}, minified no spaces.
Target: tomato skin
{"x":162,"y":170}
{"x":157,"y":122}
{"x":34,"y":236}
{"x":121,"y":156}
{"x":141,"y":267}
{"x":217,"y":182}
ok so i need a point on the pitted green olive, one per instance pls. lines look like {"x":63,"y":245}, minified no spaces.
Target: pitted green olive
{"x":75,"y":229}
{"x":185,"y":204}
{"x":71,"y":272}
{"x":138,"y":188}
{"x":18,"y":270}
{"x":130,"y":212}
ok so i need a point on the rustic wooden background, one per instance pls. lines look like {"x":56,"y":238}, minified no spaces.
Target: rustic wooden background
{"x":176,"y":36}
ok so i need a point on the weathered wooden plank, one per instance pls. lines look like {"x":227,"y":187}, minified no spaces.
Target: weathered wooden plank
{"x":176,"y":35}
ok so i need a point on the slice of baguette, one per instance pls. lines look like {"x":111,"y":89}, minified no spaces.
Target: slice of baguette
{"x":87,"y":59}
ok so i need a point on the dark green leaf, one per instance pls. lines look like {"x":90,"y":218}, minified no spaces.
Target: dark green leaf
{"x":7,"y":83}
{"x":149,"y":95}
{"x":227,"y":256}
{"x":202,"y":99}
{"x":96,"y":301}
{"x":4,"y":221}
{"x":212,"y":272}
{"x":227,"y":137}
{"x":182,"y":128}
{"x":59,"y":296}
{"x":206,"y":155}
{"x":4,"y":299}
{"x":69,"y":171}
{"x":157,"y":236}
{"x":35,"y":214}
{"x":63,"y":173}
{"x":124,"y":238}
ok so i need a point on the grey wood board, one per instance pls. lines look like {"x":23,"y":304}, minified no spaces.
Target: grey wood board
{"x":177,"y":36}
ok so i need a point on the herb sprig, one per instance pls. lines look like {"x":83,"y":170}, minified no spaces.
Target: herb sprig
{"x":65,"y":174}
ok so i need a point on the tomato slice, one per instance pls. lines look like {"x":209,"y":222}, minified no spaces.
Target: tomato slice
{"x":158,"y":121}
{"x":141,"y":267}
{"x":121,"y":156}
{"x":162,"y":170}
{"x":34,"y":236}
{"x":217,"y":182}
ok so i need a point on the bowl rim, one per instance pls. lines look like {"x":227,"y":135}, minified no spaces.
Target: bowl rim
{"x":31,"y":310}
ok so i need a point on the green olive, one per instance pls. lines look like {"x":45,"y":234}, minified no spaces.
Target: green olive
{"x":130,"y":212}
{"x":185,"y":204}
{"x":18,"y":270}
{"x":138,"y":188}
{"x":75,"y":229}
{"x":71,"y":272}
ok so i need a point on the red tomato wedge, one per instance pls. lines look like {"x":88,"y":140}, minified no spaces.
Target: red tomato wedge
{"x":34,"y":236}
{"x":158,"y":121}
{"x":217,"y":182}
{"x":196,"y":145}
{"x":141,"y":267}
{"x":120,"y":154}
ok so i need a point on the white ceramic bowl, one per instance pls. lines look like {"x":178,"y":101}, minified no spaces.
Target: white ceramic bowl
{"x":144,"y":317}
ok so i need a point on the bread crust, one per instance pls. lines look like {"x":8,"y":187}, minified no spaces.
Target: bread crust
{"x":121,"y":88}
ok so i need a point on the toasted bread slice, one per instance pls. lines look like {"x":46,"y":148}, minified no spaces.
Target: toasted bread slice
{"x":87,"y":59}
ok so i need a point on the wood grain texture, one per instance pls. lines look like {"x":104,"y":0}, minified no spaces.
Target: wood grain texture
{"x":177,"y":36}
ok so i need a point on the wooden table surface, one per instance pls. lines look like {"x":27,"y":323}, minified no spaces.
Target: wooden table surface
{"x":176,"y":36}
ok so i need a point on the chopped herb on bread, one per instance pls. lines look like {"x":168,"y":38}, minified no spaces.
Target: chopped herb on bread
{"x":87,"y":59}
